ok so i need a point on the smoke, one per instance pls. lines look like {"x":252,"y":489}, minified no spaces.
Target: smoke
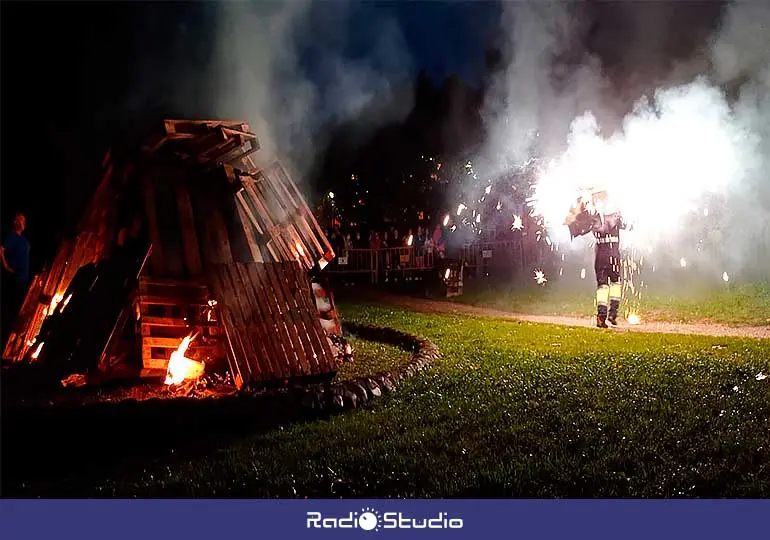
{"x":287,"y":68}
{"x":688,"y":163}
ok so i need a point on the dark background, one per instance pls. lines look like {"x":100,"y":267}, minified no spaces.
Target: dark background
{"x":79,"y":76}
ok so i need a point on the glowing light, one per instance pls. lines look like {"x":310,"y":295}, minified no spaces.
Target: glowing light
{"x":446,"y":220}
{"x":488,"y":189}
{"x":517,"y":224}
{"x":633,"y":318}
{"x":66,"y":301}
{"x":540,"y":277}
{"x":181,"y":368}
{"x":446,"y":274}
{"x":683,"y":262}
{"x":37,"y":350}
{"x":460,"y":208}
{"x":55,"y":302}
{"x":582,"y":273}
{"x":725,"y":277}
{"x":410,"y":240}
{"x":331,"y":195}
{"x":673,"y":150}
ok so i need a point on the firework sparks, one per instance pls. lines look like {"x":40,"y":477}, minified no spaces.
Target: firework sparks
{"x":683,"y":262}
{"x":540,"y":277}
{"x":633,"y":318}
{"x":460,"y":208}
{"x":582,"y":273}
{"x":517,"y":224}
{"x":725,"y":277}
{"x":446,"y":220}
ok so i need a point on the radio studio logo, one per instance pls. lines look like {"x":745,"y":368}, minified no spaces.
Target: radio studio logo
{"x":369,"y":519}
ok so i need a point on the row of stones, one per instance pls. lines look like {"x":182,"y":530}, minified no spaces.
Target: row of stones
{"x":354,"y":393}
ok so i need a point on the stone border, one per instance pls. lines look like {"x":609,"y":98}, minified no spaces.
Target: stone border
{"x":354,"y":393}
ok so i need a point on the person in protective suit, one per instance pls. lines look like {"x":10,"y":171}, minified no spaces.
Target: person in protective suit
{"x":605,"y":226}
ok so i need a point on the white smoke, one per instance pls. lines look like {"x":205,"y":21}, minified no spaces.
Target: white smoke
{"x":689,"y":145}
{"x":260,"y":77}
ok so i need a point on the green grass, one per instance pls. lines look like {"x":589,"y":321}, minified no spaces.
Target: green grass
{"x":512,"y":409}
{"x":747,"y":305}
{"x":370,"y":357}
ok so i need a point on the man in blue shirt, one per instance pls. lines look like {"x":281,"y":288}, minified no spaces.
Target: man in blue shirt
{"x":14,"y":256}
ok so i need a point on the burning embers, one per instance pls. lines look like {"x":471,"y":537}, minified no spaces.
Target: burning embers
{"x":181,"y":368}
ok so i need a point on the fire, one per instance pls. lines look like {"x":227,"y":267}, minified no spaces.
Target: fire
{"x":55,"y":302}
{"x":633,"y":318}
{"x":66,"y":301}
{"x":181,"y":368}
{"x":37,"y":350}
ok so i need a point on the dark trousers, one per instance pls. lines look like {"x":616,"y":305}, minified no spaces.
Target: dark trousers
{"x":13,"y":293}
{"x":608,"y":290}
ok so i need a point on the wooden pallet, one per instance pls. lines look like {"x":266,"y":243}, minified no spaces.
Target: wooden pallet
{"x":167,"y":311}
{"x":272,"y":327}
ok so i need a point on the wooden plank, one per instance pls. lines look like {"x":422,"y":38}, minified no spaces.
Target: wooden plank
{"x":243,"y":316}
{"x":262,"y":331}
{"x":230,"y":347}
{"x":164,"y":321}
{"x":157,"y":262}
{"x":226,"y":302}
{"x":272,"y":331}
{"x":190,"y":243}
{"x":171,"y":282}
{"x":306,"y":302}
{"x":166,"y":301}
{"x":313,"y":348}
{"x":286,"y":355}
{"x":289,"y":316}
{"x":256,"y":254}
{"x":168,"y":220}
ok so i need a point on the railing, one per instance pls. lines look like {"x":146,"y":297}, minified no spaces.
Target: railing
{"x":479,"y":258}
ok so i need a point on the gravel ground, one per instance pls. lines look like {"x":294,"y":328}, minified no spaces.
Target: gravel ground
{"x":438,"y":306}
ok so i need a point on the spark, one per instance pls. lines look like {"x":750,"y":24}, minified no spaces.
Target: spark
{"x":446,"y":274}
{"x":633,"y":318}
{"x":725,"y":277}
{"x":488,"y":190}
{"x":540,"y":277}
{"x":683,"y":262}
{"x":706,"y":212}
{"x":582,"y":273}
{"x":517,"y":223}
{"x":460,"y":208}
{"x":410,"y":240}
{"x":446,"y":220}
{"x":499,"y":206}
{"x":331,"y":195}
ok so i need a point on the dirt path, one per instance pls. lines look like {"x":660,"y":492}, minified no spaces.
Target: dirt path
{"x":438,"y":306}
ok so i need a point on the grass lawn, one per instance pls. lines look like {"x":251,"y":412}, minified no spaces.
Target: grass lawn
{"x":371,"y":357}
{"x":512,"y":409}
{"x":731,"y":305}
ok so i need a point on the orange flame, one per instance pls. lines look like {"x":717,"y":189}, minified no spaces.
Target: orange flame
{"x":181,"y":368}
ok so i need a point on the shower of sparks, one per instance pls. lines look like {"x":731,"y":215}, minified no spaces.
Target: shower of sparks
{"x":540,"y":277}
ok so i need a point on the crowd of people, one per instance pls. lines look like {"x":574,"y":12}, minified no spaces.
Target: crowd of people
{"x":423,"y":240}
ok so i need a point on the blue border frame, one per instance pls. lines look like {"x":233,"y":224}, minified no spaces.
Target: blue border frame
{"x":168,"y":519}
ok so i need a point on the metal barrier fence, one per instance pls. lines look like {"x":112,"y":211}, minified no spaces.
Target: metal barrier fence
{"x":478,"y":258}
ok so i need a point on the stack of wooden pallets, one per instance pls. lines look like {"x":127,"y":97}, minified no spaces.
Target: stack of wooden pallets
{"x":229,"y":247}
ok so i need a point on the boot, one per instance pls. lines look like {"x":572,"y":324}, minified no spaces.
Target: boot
{"x":601,"y":321}
{"x":613,"y":315}
{"x":601,"y":315}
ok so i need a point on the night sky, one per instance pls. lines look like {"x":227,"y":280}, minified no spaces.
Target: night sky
{"x":77,"y":75}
